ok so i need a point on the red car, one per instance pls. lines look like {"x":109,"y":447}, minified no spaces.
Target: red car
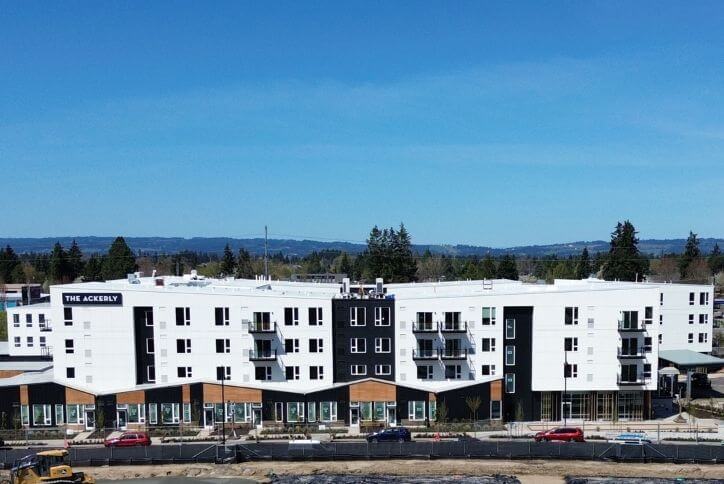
{"x":128,"y":439}
{"x":563,"y":434}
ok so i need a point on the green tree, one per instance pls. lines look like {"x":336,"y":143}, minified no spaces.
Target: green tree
{"x":59,"y":265}
{"x":119,"y":262}
{"x":9,"y":263}
{"x":3,"y":326}
{"x":690,"y":255}
{"x":624,"y":262}
{"x":345,"y":265}
{"x":244,"y":269}
{"x":473,"y":404}
{"x":716,"y":260}
{"x":228,"y":263}
{"x":404,"y":267}
{"x":93,"y":269}
{"x":583,"y":267}
{"x":507,"y":268}
{"x":75,"y":261}
{"x":487,"y":267}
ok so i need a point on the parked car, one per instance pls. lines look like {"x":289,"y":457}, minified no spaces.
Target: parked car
{"x":632,"y":439}
{"x":393,"y":434}
{"x":128,"y":439}
{"x":700,"y":380}
{"x":564,"y":434}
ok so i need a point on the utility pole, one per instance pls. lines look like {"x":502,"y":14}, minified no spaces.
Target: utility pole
{"x":266,"y":259}
{"x":565,"y":385}
{"x":221,"y":373}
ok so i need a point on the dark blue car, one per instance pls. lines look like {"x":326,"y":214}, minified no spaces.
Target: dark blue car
{"x":394,"y":434}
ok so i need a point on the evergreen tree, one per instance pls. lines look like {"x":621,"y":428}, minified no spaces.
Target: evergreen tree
{"x":691,"y":254}
{"x":624,"y":263}
{"x":75,"y":261}
{"x":93,"y":270}
{"x":119,"y":262}
{"x":9,"y":263}
{"x":59,"y":265}
{"x":487,"y":267}
{"x":583,"y":268}
{"x":244,"y":269}
{"x":345,"y":265}
{"x":507,"y":268}
{"x":404,"y":267}
{"x":716,"y":260}
{"x":228,"y":263}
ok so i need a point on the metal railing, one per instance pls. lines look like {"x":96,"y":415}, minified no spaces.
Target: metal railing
{"x":262,"y":355}
{"x":424,"y":327}
{"x":454,"y":354}
{"x":454,"y":327}
{"x":424,"y":354}
{"x":262,"y":327}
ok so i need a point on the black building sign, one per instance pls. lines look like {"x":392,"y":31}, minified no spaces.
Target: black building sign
{"x":92,"y":299}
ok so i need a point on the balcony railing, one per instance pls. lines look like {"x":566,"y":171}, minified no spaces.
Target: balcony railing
{"x":424,"y":327}
{"x":263,"y":355}
{"x":632,"y":353}
{"x":46,"y":352}
{"x":452,"y":327}
{"x":627,"y":381}
{"x":262,"y":327}
{"x":45,"y":327}
{"x":631,"y":327}
{"x":454,"y":354}
{"x":424,"y":354}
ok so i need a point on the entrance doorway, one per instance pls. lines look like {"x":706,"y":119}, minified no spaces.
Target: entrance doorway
{"x":122,"y":419}
{"x":391,"y":416}
{"x":90,"y":419}
{"x":208,"y":418}
{"x":256,"y":416}
{"x":354,"y":416}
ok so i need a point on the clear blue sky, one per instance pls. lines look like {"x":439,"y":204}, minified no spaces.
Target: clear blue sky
{"x":492,"y":123}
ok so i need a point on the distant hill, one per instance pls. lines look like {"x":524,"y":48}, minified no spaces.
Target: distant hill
{"x":169,"y":245}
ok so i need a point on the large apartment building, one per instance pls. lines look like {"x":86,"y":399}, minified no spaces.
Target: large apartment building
{"x":153,"y":351}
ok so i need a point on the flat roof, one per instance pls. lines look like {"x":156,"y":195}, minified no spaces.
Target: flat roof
{"x":690,"y":358}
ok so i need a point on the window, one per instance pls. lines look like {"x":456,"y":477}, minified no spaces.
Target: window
{"x":692,"y":298}
{"x":647,"y":370}
{"x":571,"y":315}
{"x":41,"y":320}
{"x":382,"y":316}
{"x":570,"y":370}
{"x":291,"y":345}
{"x":357,"y":345}
{"x":383,"y":345}
{"x":703,"y":318}
{"x":29,"y":320}
{"x":295,"y":411}
{"x":648,"y":314}
{"x":70,"y":372}
{"x":488,"y":370}
{"x":223,"y":373}
{"x":691,"y":319}
{"x":647,"y":343}
{"x":661,"y":299}
{"x":184,"y":372}
{"x":495,"y":410}
{"x":316,"y":345}
{"x":424,"y":322}
{"x":316,"y":373}
{"x":510,"y":355}
{"x":661,"y":338}
{"x":510,"y":329}
{"x":292,"y":372}
{"x":661,"y":319}
{"x":452,"y":321}
{"x":291,"y":316}
{"x":488,"y":344}
{"x":25,"y":414}
{"x":328,"y":411}
{"x":42,"y":415}
{"x":223,"y":345}
{"x":69,"y":347}
{"x":630,"y":320}
{"x":263,"y":373}
{"x":42,"y":341}
{"x":703,"y":338}
{"x":570,"y":344}
{"x":262,"y":321}
{"x":488,"y":316}
{"x":357,"y":317}
{"x":183,"y":316}
{"x":30,"y":343}
{"x":16,"y":320}
{"x":16,"y":339}
{"x":358,"y":370}
{"x":315,"y":316}
{"x":151,"y":373}
{"x":152,"y":413}
{"x":424,"y":372}
{"x":221,"y":316}
{"x":59,"y":414}
{"x":183,"y":346}
{"x":68,"y":316}
{"x":170,"y":413}
{"x":453,"y":372}
{"x":148,"y":316}
{"x":150,"y":346}
{"x":510,"y":383}
{"x":416,"y":410}
{"x":383,"y":369}
{"x":186,"y":413}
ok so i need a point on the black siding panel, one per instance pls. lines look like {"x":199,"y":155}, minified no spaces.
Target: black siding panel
{"x":164,"y":395}
{"x":9,"y":406}
{"x":141,"y":332}
{"x":46,"y":393}
{"x":523,"y":397}
{"x":457,"y":406}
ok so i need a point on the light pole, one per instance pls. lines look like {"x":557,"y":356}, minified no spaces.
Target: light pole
{"x":565,"y":385}
{"x":221,"y":375}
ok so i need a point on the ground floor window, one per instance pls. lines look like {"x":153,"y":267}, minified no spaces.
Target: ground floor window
{"x":187,"y":412}
{"x":433,"y":410}
{"x":74,"y":413}
{"x":328,"y":411}
{"x":152,"y":413}
{"x":242,"y":412}
{"x":279,"y":411}
{"x":365,"y":410}
{"x":311,"y":411}
{"x":575,"y":405}
{"x":42,"y":415}
{"x":295,"y":411}
{"x":546,"y":406}
{"x":416,"y":410}
{"x":59,"y":418}
{"x":604,"y":406}
{"x":630,"y":405}
{"x":169,"y":413}
{"x":495,"y":409}
{"x":136,"y":413}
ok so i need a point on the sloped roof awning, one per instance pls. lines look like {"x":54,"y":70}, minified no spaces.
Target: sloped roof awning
{"x":690,"y":359}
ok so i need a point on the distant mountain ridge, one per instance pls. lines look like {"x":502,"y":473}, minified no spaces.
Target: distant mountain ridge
{"x":291,"y":247}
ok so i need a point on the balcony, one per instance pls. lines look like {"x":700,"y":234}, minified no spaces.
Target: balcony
{"x":454,"y":354}
{"x":46,"y":352}
{"x":45,"y":327}
{"x":260,"y":327}
{"x":640,"y":380}
{"x":424,"y":354}
{"x":454,"y":327}
{"x":631,"y":327}
{"x":263,"y":355}
{"x":633,"y":353}
{"x":424,"y":327}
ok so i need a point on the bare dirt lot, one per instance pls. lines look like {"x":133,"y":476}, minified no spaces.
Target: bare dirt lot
{"x":528,"y":471}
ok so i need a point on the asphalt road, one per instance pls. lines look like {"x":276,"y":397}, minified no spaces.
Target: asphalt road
{"x":182,"y":480}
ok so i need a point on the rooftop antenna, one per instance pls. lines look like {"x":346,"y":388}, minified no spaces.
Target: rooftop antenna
{"x":266,"y":260}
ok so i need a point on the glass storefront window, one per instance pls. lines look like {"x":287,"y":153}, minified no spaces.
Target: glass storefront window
{"x":380,"y":411}
{"x":365,"y":410}
{"x":311,"y":411}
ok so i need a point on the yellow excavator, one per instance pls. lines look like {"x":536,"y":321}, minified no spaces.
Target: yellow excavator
{"x":47,"y":467}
